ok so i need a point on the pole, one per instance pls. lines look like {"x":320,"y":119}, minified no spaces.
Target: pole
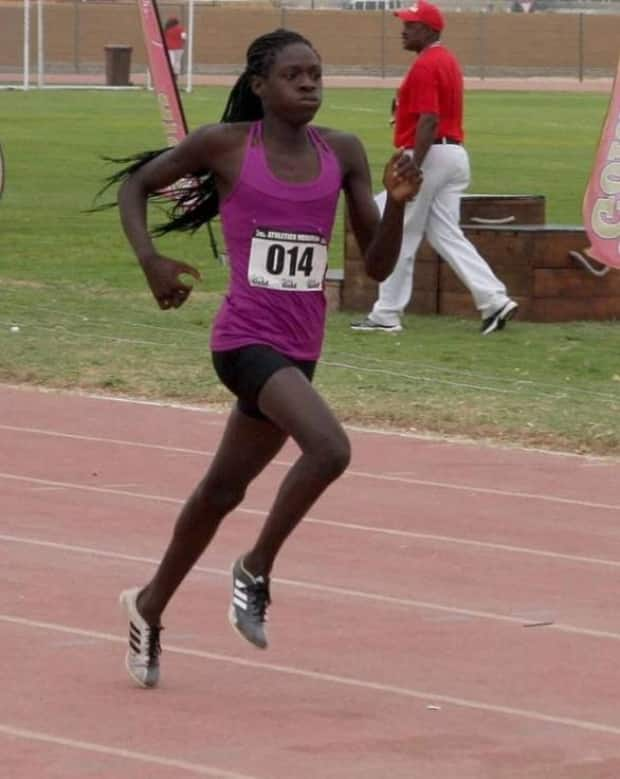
{"x":26,"y":44}
{"x":76,"y":35}
{"x":383,"y":41}
{"x":190,"y":48}
{"x":40,"y":49}
{"x":482,"y":44}
{"x":580,"y":48}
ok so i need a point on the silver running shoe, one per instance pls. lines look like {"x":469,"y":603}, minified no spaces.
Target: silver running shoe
{"x":368,"y":325}
{"x":142,"y":659}
{"x":250,"y":598}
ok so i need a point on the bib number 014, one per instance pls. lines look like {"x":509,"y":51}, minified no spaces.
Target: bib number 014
{"x":278,"y":257}
{"x":287,"y":261}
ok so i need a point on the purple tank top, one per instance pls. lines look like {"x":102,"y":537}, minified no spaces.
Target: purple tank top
{"x":276,"y":234}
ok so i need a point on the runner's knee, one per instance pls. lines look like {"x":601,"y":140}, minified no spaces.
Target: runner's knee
{"x":333,"y":455}
{"x":220,"y":497}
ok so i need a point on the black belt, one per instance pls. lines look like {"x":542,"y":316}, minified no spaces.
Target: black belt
{"x":450,"y":141}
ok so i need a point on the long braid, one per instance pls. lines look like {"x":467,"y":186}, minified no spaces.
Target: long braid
{"x":198,"y":201}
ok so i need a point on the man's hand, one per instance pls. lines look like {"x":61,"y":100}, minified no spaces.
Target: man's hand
{"x":401,"y":177}
{"x":162,"y":274}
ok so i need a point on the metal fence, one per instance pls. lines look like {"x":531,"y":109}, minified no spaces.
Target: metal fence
{"x":65,"y":42}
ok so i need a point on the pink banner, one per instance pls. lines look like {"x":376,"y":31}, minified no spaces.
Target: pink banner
{"x":165,"y":86}
{"x":601,"y":202}
{"x":164,"y":82}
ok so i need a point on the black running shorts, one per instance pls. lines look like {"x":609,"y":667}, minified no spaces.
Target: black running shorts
{"x":245,"y":372}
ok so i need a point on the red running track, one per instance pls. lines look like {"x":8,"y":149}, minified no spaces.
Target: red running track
{"x":447,"y":611}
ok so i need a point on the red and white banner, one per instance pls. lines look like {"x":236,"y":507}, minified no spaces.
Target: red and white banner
{"x":165,"y":87}
{"x":601,"y":202}
{"x":164,"y":82}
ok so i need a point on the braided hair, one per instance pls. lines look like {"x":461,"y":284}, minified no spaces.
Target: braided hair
{"x":197,"y":202}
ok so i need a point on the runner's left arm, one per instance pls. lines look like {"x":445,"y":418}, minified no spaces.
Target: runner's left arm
{"x":379,"y":238}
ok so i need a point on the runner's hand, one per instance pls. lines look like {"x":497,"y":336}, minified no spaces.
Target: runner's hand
{"x":162,"y":274}
{"x":401,"y":177}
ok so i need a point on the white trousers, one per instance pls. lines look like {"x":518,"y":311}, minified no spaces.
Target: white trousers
{"x":176,"y":57}
{"x":435,"y":213}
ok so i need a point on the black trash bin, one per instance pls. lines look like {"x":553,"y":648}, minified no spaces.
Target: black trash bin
{"x":117,"y":65}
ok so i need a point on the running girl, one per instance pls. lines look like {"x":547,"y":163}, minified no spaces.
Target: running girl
{"x":275,"y":180}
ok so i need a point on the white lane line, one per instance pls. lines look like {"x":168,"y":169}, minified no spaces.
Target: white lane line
{"x":207,"y":410}
{"x":349,"y":681}
{"x":128,"y":754}
{"x":351,"y":473}
{"x":222,"y":413}
{"x":90,"y":488}
{"x":470,"y":488}
{"x":523,"y":620}
{"x":114,"y":441}
{"x":409,"y":534}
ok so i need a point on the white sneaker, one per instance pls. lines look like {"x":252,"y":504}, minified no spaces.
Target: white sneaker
{"x":498,"y":319}
{"x":368,"y":325}
{"x":142,"y":659}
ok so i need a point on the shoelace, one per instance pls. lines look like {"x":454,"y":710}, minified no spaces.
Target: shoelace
{"x":259,"y":598}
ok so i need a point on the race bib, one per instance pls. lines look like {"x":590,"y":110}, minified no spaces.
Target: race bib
{"x":287,"y":261}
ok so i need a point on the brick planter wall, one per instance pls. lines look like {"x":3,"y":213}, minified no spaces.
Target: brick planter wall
{"x":532,"y":258}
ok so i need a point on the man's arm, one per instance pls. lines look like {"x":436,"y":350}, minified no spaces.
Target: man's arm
{"x":419,"y":105}
{"x":426,"y":129}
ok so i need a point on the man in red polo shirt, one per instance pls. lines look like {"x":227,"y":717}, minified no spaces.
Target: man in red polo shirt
{"x":429,"y":123}
{"x":175,"y":37}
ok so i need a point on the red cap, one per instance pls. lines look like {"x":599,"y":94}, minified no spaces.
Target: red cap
{"x":423,"y":12}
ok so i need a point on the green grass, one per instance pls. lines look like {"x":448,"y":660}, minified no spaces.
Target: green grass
{"x":86,"y":320}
